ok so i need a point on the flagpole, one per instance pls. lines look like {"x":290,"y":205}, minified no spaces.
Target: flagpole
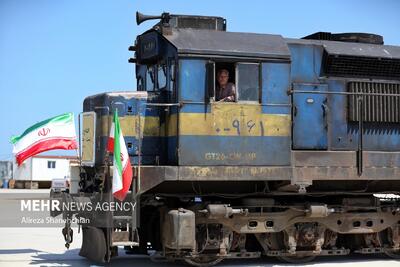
{"x":139,"y":149}
{"x":79,"y":140}
{"x":78,"y":150}
{"x":139,"y":167}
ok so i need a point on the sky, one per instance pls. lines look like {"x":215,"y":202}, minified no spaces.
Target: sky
{"x":54,"y":53}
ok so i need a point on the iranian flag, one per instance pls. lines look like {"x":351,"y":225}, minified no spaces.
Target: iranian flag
{"x":122,"y":174}
{"x":53,"y":133}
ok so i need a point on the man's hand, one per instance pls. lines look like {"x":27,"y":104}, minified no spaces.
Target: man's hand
{"x":229,"y":99}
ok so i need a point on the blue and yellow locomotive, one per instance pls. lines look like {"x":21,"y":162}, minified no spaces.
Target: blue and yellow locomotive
{"x":305,"y":162}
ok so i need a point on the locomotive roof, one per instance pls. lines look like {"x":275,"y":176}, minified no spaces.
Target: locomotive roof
{"x":236,"y":44}
{"x":353,"y":49}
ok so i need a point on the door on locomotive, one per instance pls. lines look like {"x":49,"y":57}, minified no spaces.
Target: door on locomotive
{"x":158,"y":79}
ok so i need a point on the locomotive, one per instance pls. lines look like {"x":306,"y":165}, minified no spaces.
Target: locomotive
{"x":304,"y":163}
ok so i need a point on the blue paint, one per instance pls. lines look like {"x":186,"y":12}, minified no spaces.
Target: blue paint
{"x":275,"y":100}
{"x":206,"y":108}
{"x":344,"y":135}
{"x":208,"y":150}
{"x":172,"y":145}
{"x":195,"y":108}
{"x":306,"y":63}
{"x":151,"y":149}
{"x":275,"y":83}
{"x":310,"y":118}
{"x":192,"y":79}
{"x":276,"y":109}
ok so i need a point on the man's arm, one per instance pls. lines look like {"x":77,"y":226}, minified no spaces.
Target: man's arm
{"x":232,"y":94}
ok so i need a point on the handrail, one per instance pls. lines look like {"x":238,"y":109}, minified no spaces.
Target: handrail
{"x":339,"y":93}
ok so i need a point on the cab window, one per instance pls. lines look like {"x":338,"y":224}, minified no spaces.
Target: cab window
{"x":171,"y":74}
{"x":150,"y":78}
{"x":248,"y":82}
{"x":162,"y":76}
{"x":241,"y":81}
{"x":140,"y":84}
{"x":225,"y":87}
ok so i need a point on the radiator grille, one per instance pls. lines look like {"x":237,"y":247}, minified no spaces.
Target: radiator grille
{"x":376,"y":108}
{"x":369,"y":67}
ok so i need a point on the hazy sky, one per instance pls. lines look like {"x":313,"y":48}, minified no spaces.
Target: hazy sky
{"x":54,"y":53}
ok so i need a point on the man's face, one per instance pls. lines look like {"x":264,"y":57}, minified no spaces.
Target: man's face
{"x":223,"y":78}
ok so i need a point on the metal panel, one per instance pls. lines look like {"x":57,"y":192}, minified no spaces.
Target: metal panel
{"x":233,"y":133}
{"x":377,"y":108}
{"x":234,"y":119}
{"x":234,"y":151}
{"x":151,"y":176}
{"x":310,"y":117}
{"x":208,"y":42}
{"x":340,"y":173}
{"x":154,"y":175}
{"x":362,"y":50}
{"x":345,"y":159}
{"x":192,"y":80}
{"x":275,"y":83}
{"x":353,"y":66}
{"x":324,"y":159}
{"x":343,"y":135}
{"x":306,"y":63}
{"x":198,"y":22}
{"x":234,"y":173}
{"x":132,"y":106}
{"x":88,"y":138}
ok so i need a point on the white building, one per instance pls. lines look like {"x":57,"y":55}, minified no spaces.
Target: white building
{"x":44,"y":168}
{"x":5,"y":169}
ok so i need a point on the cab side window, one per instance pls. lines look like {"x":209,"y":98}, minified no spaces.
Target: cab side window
{"x":171,"y":74}
{"x":150,"y":78}
{"x":139,"y":85}
{"x":242,"y":82}
{"x":225,"y":88}
{"x":248,"y":81}
{"x":162,"y":76}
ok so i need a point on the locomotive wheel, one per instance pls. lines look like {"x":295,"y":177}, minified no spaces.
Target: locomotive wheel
{"x":389,"y":233}
{"x":296,"y":259}
{"x":393,"y":255}
{"x":276,"y":241}
{"x":203,"y":261}
{"x":93,"y":244}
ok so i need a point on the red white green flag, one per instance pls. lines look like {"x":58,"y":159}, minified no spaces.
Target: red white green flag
{"x":54,"y":133}
{"x":122,"y":174}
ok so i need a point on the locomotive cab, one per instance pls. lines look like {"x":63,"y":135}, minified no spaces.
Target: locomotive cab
{"x":206,"y":129}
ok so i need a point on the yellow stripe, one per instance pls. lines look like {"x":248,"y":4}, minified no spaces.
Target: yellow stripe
{"x":263,"y":125}
{"x":224,"y":120}
{"x":234,"y":120}
{"x":172,"y":129}
{"x":149,"y":126}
